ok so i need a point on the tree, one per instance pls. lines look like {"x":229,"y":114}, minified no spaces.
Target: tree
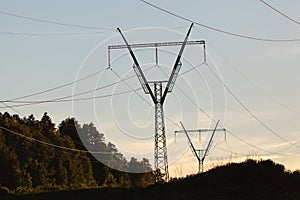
{"x":124,"y":180}
{"x":143,"y":175}
{"x":46,"y":124}
{"x":27,"y":165}
{"x":70,"y":127}
{"x":11,"y":175}
{"x":139,"y":166}
{"x":110,"y":181}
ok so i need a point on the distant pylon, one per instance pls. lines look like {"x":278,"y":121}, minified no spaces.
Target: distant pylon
{"x":200,"y":153}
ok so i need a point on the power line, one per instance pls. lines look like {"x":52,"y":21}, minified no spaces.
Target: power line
{"x":23,"y":149}
{"x":52,"y":22}
{"x":26,"y":103}
{"x":67,"y":98}
{"x":84,"y":151}
{"x":252,"y":145}
{"x":230,"y":132}
{"x":217,"y":29}
{"x":50,"y":144}
{"x":56,"y":99}
{"x":281,"y":13}
{"x":53,"y":34}
{"x":10,"y":107}
{"x":249,"y":80}
{"x":63,"y":99}
{"x":71,"y":97}
{"x":249,"y":111}
{"x":59,"y":147}
{"x":186,"y":95}
{"x":228,"y":151}
{"x":129,"y":86}
{"x":135,"y":91}
{"x":30,"y":34}
{"x":55,"y":88}
{"x":13,"y":100}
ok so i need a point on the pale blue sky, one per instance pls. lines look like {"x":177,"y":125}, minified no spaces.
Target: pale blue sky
{"x":35,"y":63}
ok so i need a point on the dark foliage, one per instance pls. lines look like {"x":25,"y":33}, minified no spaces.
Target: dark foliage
{"x":30,"y":170}
{"x":248,"y":180}
{"x":28,"y":166}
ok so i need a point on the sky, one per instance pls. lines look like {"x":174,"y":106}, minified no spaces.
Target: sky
{"x":259,"y":104}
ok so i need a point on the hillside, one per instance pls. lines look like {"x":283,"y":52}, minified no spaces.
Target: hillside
{"x":248,"y":180}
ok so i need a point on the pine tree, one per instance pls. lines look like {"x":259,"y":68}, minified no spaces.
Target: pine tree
{"x":110,"y":181}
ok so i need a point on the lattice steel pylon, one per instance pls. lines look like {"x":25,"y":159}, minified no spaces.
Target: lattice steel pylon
{"x":160,"y":148}
{"x":158,"y":95}
{"x":200,"y":153}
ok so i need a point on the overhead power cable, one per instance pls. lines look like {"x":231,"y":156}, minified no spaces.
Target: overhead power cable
{"x":10,"y":107}
{"x":228,"y":131}
{"x":217,"y":29}
{"x":281,"y":13}
{"x":195,"y":104}
{"x":69,"y":98}
{"x":124,"y":81}
{"x":236,"y":69}
{"x":135,"y":90}
{"x":52,"y":22}
{"x":55,"y":88}
{"x":185,"y":94}
{"x":249,"y":111}
{"x":252,"y":145}
{"x":50,"y":144}
{"x":53,"y":34}
{"x":30,"y":34}
{"x":105,"y":68}
{"x":27,"y":103}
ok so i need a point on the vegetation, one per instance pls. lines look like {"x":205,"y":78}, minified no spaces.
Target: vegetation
{"x":30,"y":170}
{"x":27,"y":166}
{"x":248,"y":180}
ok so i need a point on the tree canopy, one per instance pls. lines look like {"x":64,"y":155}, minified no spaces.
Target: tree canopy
{"x":27,"y":165}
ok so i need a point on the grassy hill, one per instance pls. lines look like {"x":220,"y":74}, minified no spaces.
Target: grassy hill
{"x":248,"y":180}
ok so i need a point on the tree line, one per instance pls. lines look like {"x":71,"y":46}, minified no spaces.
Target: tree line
{"x":29,"y":166}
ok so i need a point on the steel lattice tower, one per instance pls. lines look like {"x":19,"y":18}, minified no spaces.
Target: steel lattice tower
{"x":158,"y":96}
{"x":160,"y":147}
{"x":200,"y":154}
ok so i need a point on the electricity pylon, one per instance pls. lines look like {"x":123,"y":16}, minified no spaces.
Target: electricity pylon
{"x":158,"y":96}
{"x":200,"y":153}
